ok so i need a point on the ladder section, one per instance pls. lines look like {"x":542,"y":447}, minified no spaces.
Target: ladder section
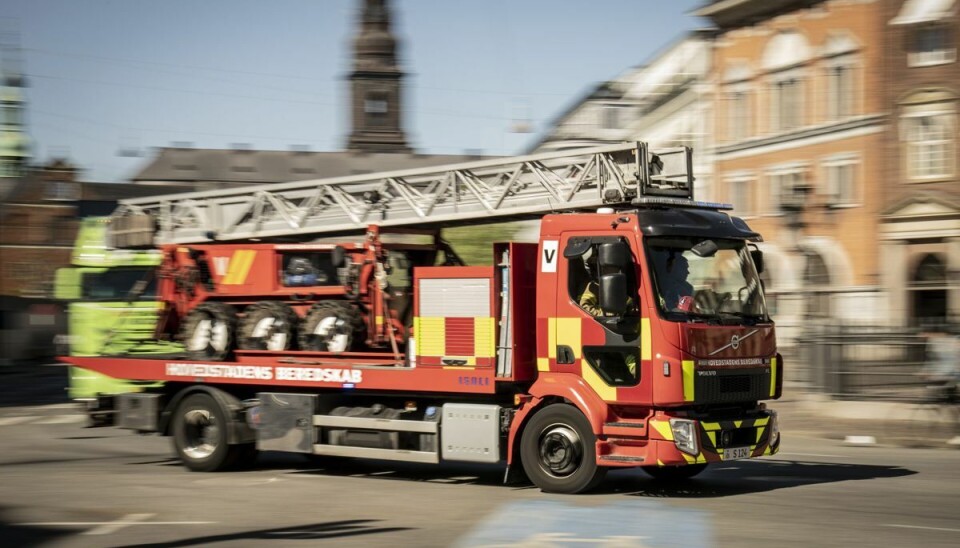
{"x":475,"y":192}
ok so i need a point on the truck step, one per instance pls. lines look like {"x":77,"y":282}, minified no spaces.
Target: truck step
{"x":373,"y":453}
{"x":622,"y":459}
{"x":625,"y":428}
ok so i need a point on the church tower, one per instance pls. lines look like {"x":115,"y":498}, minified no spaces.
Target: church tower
{"x":14,"y":143}
{"x":376,"y":85}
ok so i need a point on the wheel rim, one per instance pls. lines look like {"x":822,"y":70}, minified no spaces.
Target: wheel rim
{"x":209,"y":333}
{"x":271,"y":331}
{"x":330,"y":331}
{"x":561,"y":451}
{"x":201,"y":433}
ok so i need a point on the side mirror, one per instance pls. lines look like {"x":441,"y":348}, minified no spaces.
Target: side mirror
{"x":615,"y":255}
{"x":613,"y":293}
{"x":706,"y":248}
{"x":338,"y":256}
{"x":757,"y":257}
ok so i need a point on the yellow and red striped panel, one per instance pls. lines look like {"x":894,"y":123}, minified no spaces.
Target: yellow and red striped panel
{"x":449,"y":341}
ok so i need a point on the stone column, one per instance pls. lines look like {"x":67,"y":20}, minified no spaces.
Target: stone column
{"x":894,"y":279}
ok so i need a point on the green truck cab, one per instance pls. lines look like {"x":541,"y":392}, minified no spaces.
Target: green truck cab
{"x":112,"y":309}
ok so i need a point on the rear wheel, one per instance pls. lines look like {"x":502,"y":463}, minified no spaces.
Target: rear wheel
{"x":331,"y":326}
{"x":674,"y":473}
{"x":267,"y":325}
{"x":200,"y":434}
{"x":208,"y":330}
{"x":558,"y":451}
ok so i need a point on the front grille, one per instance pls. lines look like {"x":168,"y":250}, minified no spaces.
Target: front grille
{"x":730,"y":384}
{"x":739,"y":437}
{"x":741,"y":385}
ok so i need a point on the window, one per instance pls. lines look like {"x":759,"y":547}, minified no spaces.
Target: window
{"x":930,"y":145}
{"x":787,"y":104}
{"x":610,"y":117}
{"x":788,"y":190}
{"x":840,"y":186}
{"x":931,"y":45}
{"x":840,"y":91}
{"x":376,"y":108}
{"x":738,"y":112}
{"x":742,"y":195}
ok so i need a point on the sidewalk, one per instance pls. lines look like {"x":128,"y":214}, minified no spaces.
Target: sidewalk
{"x":857,"y":422}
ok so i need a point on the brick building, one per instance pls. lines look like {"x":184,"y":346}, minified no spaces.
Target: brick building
{"x":920,"y":221}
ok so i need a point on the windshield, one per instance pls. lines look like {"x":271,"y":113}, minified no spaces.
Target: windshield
{"x":722,"y":284}
{"x":120,"y":284}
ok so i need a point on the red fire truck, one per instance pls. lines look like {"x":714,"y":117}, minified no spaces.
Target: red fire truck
{"x":634,"y":333}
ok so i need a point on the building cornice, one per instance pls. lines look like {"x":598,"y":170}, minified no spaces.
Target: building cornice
{"x":797,"y":138}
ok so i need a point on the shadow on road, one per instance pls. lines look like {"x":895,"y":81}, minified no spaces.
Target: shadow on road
{"x":747,"y":477}
{"x":316,"y":531}
{"x":18,"y":534}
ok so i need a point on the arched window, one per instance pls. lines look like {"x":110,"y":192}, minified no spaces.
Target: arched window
{"x":928,"y":286}
{"x":816,"y":280}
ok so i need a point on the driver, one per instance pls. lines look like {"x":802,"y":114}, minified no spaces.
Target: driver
{"x":677,"y":293}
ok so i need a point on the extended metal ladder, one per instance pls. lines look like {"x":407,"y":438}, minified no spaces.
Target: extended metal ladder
{"x":475,"y":192}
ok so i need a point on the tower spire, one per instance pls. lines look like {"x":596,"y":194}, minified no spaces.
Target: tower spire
{"x":376,"y":84}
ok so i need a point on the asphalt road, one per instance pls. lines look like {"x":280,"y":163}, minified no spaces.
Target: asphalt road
{"x":65,"y":485}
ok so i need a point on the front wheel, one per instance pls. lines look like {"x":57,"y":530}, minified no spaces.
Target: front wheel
{"x":674,"y":473}
{"x":558,"y":451}
{"x":200,"y":434}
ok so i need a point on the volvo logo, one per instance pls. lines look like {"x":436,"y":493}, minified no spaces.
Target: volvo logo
{"x":734,"y":342}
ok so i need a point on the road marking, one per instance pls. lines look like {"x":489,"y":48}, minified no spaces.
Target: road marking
{"x":789,"y":453}
{"x":114,"y":526}
{"x":61,"y":419}
{"x":9,"y":421}
{"x":921,"y":527}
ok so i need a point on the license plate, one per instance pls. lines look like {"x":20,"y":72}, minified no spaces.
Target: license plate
{"x":734,"y":453}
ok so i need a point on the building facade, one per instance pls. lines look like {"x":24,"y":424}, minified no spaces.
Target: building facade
{"x":920,"y":221}
{"x":800,"y":121}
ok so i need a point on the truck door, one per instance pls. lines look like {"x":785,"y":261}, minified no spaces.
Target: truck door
{"x":602,"y":345}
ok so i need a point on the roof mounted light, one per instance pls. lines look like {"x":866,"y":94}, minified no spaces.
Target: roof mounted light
{"x":650,"y":201}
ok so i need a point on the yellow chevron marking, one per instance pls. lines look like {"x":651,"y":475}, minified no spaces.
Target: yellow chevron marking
{"x":646,"y":341}
{"x":604,"y":390}
{"x":710,"y":426}
{"x":736,"y":424}
{"x":762,"y":422}
{"x":759,"y":434}
{"x":239,"y":267}
{"x":663,"y":428}
{"x":773,"y":376}
{"x":379,"y":321}
{"x":688,"y":458}
{"x":688,"y":380}
{"x":543,"y":364}
{"x":713,"y":438}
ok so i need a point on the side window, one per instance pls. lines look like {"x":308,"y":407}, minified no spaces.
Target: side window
{"x":585,"y":271}
{"x":308,"y":269}
{"x":616,"y":366}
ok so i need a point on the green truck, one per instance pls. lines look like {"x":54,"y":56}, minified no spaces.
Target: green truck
{"x":112,"y":310}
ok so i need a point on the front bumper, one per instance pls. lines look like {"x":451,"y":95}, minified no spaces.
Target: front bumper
{"x":717,"y":441}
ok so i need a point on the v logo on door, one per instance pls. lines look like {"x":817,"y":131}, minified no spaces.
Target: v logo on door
{"x":548,"y":260}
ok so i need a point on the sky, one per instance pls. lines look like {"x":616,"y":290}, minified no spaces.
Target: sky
{"x":112,"y":78}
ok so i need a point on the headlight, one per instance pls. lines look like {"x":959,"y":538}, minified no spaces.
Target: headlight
{"x":685,"y":435}
{"x":774,"y":427}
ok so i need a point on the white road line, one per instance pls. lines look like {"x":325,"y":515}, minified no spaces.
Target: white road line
{"x":922,"y":527}
{"x":61,"y":419}
{"x":114,"y":526}
{"x":9,"y":421}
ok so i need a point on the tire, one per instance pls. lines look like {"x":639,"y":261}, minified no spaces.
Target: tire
{"x":200,"y":434}
{"x":332,"y":326}
{"x":267,"y":325}
{"x":208,"y":330}
{"x":558,"y":451}
{"x":674,"y":473}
